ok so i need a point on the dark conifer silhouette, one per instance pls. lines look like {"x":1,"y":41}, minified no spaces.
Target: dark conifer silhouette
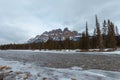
{"x":87,"y":37}
{"x":99,"y":38}
{"x":111,"y":35}
{"x":105,"y":33}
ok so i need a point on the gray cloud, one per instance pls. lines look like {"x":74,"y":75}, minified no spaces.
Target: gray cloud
{"x":23,"y":19}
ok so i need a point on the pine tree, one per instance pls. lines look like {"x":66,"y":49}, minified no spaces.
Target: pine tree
{"x":104,"y":33}
{"x":67,"y":43}
{"x":111,"y":36}
{"x":87,"y":37}
{"x":99,"y":36}
{"x":94,"y":39}
{"x":50,"y":44}
{"x":83,"y":42}
{"x":60,"y":45}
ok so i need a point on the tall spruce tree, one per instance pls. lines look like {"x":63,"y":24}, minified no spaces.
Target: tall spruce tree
{"x":99,"y":38}
{"x":104,"y":33}
{"x":50,"y":43}
{"x":83,"y":41}
{"x":94,"y":39}
{"x":67,"y":43}
{"x":111,"y":36}
{"x":87,"y":37}
{"x":105,"y":28}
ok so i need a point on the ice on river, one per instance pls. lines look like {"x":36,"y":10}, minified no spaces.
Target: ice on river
{"x":38,"y":73}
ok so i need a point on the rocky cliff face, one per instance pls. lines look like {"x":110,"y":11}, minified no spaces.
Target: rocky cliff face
{"x":56,"y":34}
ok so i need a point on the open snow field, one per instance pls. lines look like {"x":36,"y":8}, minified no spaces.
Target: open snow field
{"x":63,"y":65}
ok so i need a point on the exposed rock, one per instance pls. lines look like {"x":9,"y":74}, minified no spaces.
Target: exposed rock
{"x":73,"y":79}
{"x":6,"y":73}
{"x":45,"y":78}
{"x":56,"y":34}
{"x":65,"y":30}
{"x":4,"y":67}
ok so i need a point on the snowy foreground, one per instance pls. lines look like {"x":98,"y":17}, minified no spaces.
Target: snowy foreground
{"x":35,"y":72}
{"x":58,"y":74}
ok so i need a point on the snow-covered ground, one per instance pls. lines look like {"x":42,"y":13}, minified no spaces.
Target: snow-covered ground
{"x":38,"y":73}
{"x":46,"y":51}
{"x":77,"y":51}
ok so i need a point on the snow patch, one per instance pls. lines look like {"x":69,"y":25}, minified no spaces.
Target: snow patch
{"x":77,"y":51}
{"x":38,"y":73}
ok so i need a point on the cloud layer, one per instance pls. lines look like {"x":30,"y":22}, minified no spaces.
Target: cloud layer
{"x":23,"y":19}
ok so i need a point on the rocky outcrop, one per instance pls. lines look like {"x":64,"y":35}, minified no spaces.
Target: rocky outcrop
{"x":6,"y":73}
{"x":56,"y":34}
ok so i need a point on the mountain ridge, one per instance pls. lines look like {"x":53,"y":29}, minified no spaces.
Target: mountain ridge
{"x":55,"y":34}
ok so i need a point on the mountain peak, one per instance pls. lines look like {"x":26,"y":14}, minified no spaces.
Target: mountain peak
{"x":66,"y":29}
{"x":55,"y":34}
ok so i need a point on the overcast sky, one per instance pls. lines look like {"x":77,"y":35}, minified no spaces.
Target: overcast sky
{"x":23,"y":19}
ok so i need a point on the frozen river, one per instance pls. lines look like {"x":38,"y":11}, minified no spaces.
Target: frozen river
{"x":60,"y":60}
{"x":63,"y":65}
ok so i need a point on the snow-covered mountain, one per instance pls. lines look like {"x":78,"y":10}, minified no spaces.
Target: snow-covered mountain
{"x":56,"y":34}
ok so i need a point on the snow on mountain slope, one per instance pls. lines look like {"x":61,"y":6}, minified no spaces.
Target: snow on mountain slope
{"x":56,"y":35}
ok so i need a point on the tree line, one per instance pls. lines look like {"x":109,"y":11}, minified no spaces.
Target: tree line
{"x":104,"y":36}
